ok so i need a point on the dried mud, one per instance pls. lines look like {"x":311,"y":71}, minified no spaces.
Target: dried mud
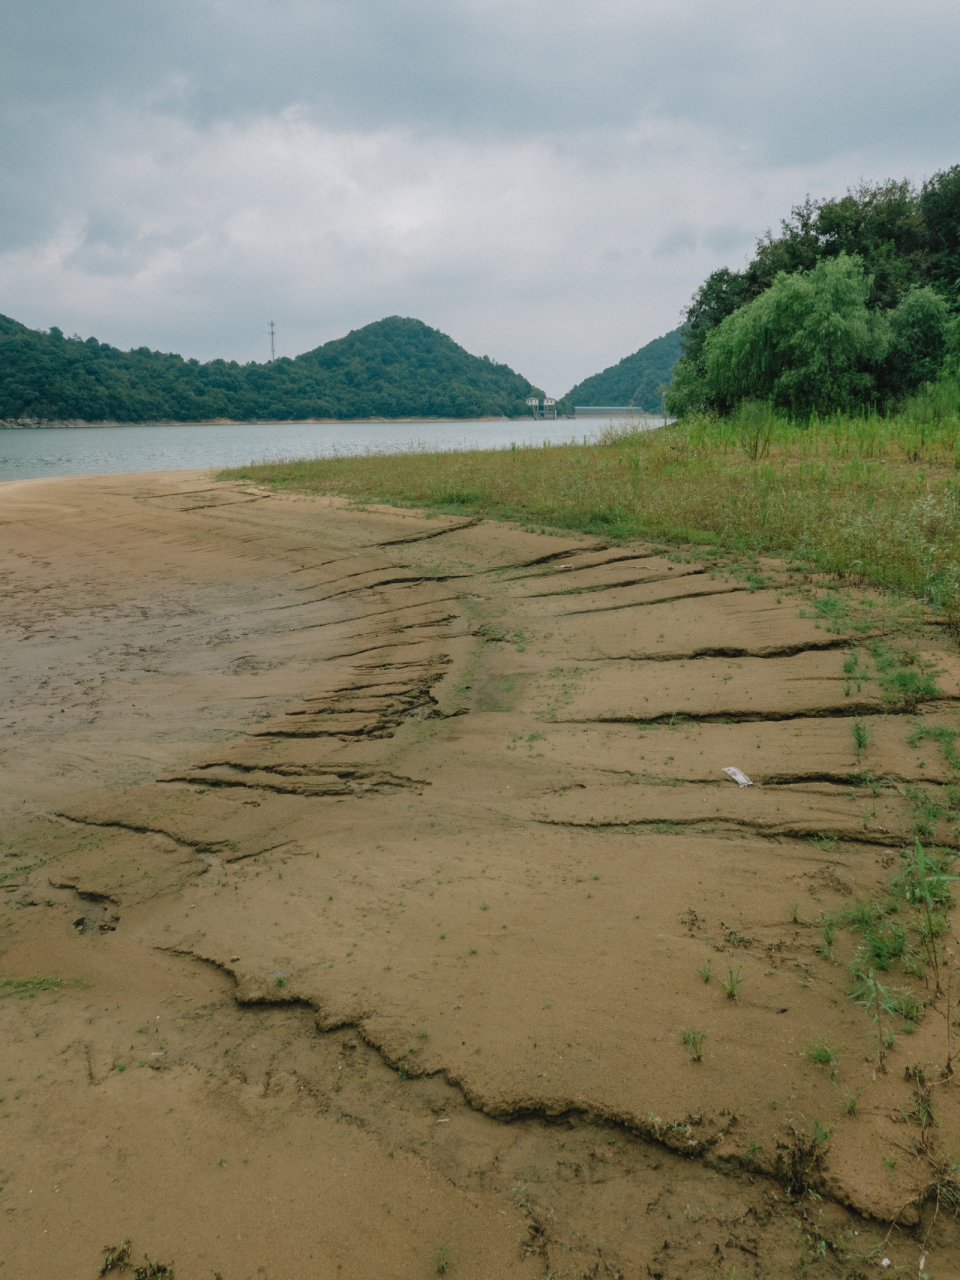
{"x":385,"y":859}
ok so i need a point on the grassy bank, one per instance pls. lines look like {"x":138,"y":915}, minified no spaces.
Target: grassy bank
{"x":874,"y":498}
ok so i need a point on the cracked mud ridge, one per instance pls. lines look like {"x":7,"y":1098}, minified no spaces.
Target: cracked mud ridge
{"x":373,"y":902}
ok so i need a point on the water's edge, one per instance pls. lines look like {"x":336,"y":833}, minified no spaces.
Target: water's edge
{"x":42,"y":424}
{"x":88,"y":448}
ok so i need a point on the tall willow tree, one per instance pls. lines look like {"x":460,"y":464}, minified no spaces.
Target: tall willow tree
{"x":810,"y":343}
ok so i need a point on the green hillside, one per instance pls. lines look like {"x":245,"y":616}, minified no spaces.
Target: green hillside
{"x":394,"y":368}
{"x":636,"y":380}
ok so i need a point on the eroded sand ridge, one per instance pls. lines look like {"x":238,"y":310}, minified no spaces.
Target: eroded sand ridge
{"x":392,"y":852}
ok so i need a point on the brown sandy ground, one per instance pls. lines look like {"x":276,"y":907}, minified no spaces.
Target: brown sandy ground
{"x":382,"y":861}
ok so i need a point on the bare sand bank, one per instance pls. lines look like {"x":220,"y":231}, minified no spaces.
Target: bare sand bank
{"x":391,"y":853}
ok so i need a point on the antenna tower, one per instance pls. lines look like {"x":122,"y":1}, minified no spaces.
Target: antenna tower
{"x":271,"y":328}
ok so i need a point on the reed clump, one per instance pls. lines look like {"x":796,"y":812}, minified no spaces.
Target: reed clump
{"x":875,"y":498}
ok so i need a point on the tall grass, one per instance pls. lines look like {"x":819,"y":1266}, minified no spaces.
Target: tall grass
{"x":875,"y":498}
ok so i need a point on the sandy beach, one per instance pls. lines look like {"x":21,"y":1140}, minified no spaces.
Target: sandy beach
{"x":376,"y":864}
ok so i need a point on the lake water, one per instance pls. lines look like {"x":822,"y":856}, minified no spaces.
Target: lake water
{"x":30,"y":454}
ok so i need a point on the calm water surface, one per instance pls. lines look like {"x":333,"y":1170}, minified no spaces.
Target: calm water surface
{"x":83,"y":451}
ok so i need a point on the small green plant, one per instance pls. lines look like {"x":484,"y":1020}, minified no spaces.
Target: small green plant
{"x":860,"y":736}
{"x":945,"y":1182}
{"x":116,"y":1257}
{"x":693,"y":1044}
{"x":153,"y":1270}
{"x":877,"y":1000}
{"x":926,"y":886}
{"x":921,"y":1105}
{"x":820,"y":1133}
{"x":884,"y":945}
{"x":281,"y":982}
{"x":733,"y":983}
{"x":704,"y":971}
{"x":824,"y":952}
{"x":904,"y":681}
{"x":753,"y":1146}
{"x":849,"y":1101}
{"x":795,"y":913}
{"x":821,"y":1053}
{"x":442,"y":1260}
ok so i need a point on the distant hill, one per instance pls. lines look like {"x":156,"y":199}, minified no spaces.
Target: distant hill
{"x":635,"y":380}
{"x":394,"y":368}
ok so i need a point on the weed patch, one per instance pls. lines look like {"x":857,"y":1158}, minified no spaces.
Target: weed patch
{"x":845,"y":495}
{"x":28,"y":987}
{"x":117,"y":1260}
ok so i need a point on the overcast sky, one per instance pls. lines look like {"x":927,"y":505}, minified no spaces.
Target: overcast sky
{"x":545,"y":180}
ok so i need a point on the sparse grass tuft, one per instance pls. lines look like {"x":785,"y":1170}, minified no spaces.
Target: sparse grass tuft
{"x":442,"y":1260}
{"x":821,"y":1053}
{"x":947,"y":739}
{"x":820,"y":1133}
{"x":28,"y":987}
{"x":693,"y":1044}
{"x":733,"y":983}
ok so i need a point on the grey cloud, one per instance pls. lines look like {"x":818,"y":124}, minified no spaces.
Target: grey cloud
{"x":795,"y":79}
{"x":682,"y":239}
{"x":727,"y":237}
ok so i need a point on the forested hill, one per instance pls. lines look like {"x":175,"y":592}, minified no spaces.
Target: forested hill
{"x":394,"y":368}
{"x":636,"y":380}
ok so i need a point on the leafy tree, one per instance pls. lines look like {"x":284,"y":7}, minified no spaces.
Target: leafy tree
{"x":940,"y":207}
{"x":807,"y":343}
{"x":810,"y":343}
{"x":920,"y":328}
{"x":908,"y":245}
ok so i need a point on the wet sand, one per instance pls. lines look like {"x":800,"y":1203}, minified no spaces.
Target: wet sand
{"x":382,"y":857}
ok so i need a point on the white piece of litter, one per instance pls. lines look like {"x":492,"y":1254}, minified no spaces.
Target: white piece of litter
{"x":739,"y":777}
